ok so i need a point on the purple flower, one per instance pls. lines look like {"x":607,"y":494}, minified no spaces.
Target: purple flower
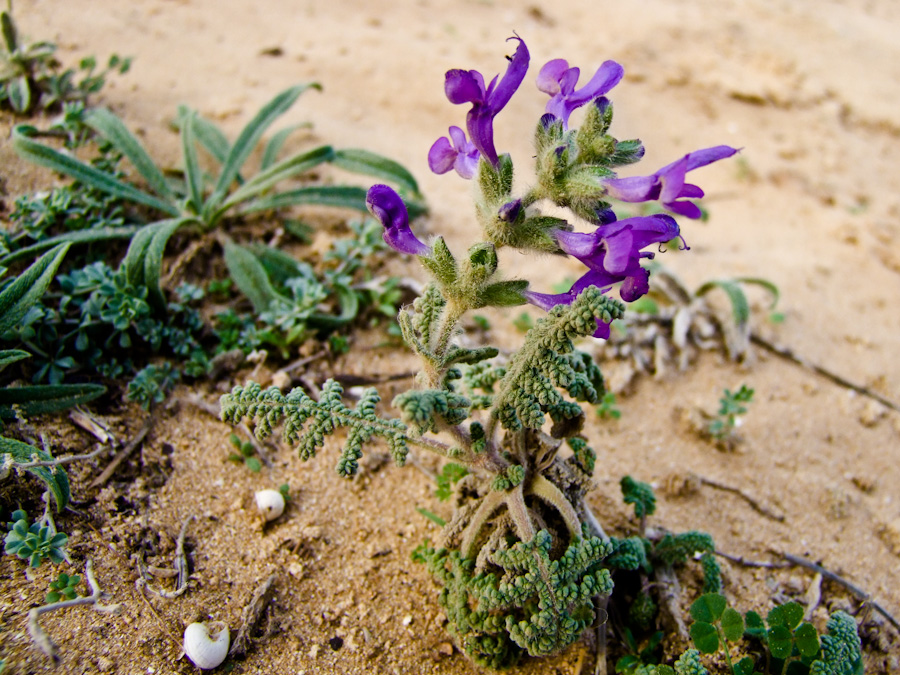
{"x":467,"y":86}
{"x":667,"y":185}
{"x":457,"y":153}
{"x":387,"y":206}
{"x":558,"y":80}
{"x":591,"y":278}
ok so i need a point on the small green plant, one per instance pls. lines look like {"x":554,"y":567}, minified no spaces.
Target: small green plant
{"x":450,"y":474}
{"x":730,"y":410}
{"x":17,"y":299}
{"x":791,"y":644}
{"x":607,"y":408}
{"x":30,"y":76}
{"x":34,"y":542}
{"x":64,"y":587}
{"x":243,"y":454}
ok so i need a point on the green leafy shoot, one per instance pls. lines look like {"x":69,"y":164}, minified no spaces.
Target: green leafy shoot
{"x":64,"y":587}
{"x":34,"y":542}
{"x":607,"y":408}
{"x":731,"y":409}
{"x":791,"y":644}
{"x":244,"y":453}
{"x":450,"y":474}
{"x":31,"y":78}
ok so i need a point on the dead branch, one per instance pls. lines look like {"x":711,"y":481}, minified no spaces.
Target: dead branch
{"x":123,"y":454}
{"x":180,"y":566}
{"x":754,"y":504}
{"x":251,"y":615}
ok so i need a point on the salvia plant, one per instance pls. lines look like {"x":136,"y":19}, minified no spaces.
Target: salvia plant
{"x":522,"y":564}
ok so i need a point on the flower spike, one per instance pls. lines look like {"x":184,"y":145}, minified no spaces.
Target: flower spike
{"x":387,"y":206}
{"x":467,"y":86}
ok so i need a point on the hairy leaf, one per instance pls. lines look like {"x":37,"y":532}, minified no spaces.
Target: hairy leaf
{"x":28,"y":287}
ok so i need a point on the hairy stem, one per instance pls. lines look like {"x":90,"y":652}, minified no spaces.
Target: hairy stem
{"x":546,"y":491}
{"x":489,"y":503}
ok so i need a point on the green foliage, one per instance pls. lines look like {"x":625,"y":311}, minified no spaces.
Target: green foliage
{"x":243,"y":454}
{"x":30,"y":76}
{"x":533,"y":604}
{"x":34,"y":542}
{"x":152,"y":384}
{"x":607,"y":408}
{"x":548,"y":362}
{"x":789,"y":641}
{"x":640,"y":494}
{"x":730,"y":409}
{"x":450,"y":474}
{"x":64,"y":587}
{"x":309,"y":422}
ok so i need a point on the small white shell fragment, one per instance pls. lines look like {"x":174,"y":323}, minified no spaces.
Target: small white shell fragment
{"x":270,"y":503}
{"x":206,"y":645}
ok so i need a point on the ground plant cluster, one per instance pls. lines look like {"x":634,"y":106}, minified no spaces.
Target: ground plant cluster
{"x":241,"y":281}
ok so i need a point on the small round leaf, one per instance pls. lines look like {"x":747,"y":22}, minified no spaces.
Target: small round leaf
{"x":708,"y":607}
{"x":807,"y":639}
{"x":705,"y":637}
{"x":780,"y":642}
{"x":732,"y":625}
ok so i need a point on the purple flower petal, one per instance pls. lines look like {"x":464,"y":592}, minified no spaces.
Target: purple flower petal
{"x":387,"y":206}
{"x":441,"y":156}
{"x":467,"y":86}
{"x":558,"y":80}
{"x":592,"y":278}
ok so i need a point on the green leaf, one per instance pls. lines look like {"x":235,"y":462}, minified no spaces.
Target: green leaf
{"x":208,"y":135}
{"x":705,"y":637}
{"x":807,"y":639}
{"x":19,"y":93}
{"x":55,"y":479}
{"x":503,"y":294}
{"x":780,"y":640}
{"x":250,"y":136}
{"x":740,"y":308}
{"x":28,"y":287}
{"x":765,"y":283}
{"x":433,"y":517}
{"x":143,"y":260}
{"x":250,"y":276}
{"x":372,"y":164}
{"x":744,"y":666}
{"x":253,"y":464}
{"x":273,"y":147}
{"x":732,"y":625}
{"x":45,"y":398}
{"x":8,"y":356}
{"x":789,"y":614}
{"x":192,"y":172}
{"x":77,"y":237}
{"x":46,"y":156}
{"x":708,"y":607}
{"x":338,"y":196}
{"x":268,"y":178}
{"x":9,"y":32}
{"x":754,"y":625}
{"x":108,"y":125}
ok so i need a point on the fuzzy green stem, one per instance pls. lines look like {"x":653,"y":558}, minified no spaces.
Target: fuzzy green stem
{"x":489,"y":503}
{"x":543,"y":489}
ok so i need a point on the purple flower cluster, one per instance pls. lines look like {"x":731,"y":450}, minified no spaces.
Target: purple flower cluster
{"x":612,"y":253}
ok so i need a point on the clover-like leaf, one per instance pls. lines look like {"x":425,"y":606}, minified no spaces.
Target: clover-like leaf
{"x":705,"y":637}
{"x":708,"y":608}
{"x":732,"y":625}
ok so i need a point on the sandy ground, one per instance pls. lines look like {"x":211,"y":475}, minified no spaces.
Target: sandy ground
{"x":810,"y":89}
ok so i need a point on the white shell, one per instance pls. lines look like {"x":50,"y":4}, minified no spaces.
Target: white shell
{"x":270,"y":503}
{"x":206,"y":645}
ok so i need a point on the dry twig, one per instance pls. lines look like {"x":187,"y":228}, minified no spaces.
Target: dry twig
{"x":123,"y":454}
{"x":251,"y":616}
{"x":754,"y":504}
{"x":41,"y":639}
{"x":180,"y":565}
